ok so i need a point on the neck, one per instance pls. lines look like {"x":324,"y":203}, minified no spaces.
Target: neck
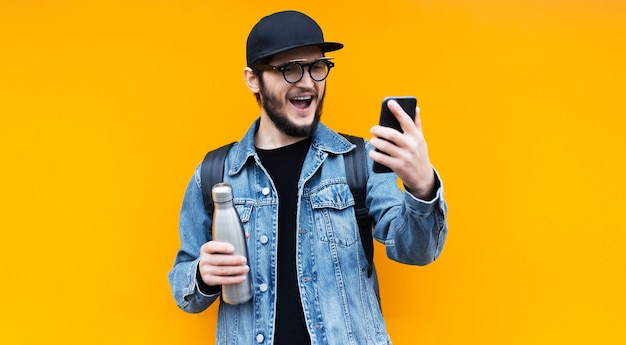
{"x":269,"y":137}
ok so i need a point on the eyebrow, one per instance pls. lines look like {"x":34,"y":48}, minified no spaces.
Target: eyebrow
{"x":305,"y":60}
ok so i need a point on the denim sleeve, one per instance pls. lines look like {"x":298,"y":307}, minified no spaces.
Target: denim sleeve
{"x":195,"y":231}
{"x":413,"y":230}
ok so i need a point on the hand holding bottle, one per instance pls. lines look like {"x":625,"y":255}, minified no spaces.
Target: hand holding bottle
{"x":218,"y":265}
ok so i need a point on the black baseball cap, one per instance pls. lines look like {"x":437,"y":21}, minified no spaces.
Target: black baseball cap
{"x":282,"y":31}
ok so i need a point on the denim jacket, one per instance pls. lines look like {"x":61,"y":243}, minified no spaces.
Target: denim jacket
{"x":340,"y":302}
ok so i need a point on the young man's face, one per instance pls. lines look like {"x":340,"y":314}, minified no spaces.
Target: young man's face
{"x":296,"y":108}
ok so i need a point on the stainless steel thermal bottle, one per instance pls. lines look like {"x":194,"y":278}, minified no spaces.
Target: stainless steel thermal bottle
{"x":227,"y":227}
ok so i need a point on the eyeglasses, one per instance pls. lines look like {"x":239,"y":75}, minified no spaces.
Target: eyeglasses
{"x":293,"y":71}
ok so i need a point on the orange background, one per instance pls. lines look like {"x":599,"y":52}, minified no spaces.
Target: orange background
{"x":107,"y":106}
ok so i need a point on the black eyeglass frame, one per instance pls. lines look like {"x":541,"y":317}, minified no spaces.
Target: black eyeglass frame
{"x":282,"y":68}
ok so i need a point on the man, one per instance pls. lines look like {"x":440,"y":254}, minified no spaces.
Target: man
{"x":308,"y":268}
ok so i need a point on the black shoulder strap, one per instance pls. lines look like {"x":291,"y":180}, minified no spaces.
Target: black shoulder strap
{"x":212,"y":172}
{"x":356,"y":174}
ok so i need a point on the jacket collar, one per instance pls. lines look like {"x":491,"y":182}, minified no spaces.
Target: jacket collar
{"x":324,"y":140}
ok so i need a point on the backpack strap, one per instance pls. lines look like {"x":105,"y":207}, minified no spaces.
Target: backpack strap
{"x":356,"y":174}
{"x":212,"y":172}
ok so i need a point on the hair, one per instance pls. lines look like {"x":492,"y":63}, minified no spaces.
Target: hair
{"x":259,"y":74}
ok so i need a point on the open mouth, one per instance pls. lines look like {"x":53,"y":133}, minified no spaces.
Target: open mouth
{"x":301,"y":102}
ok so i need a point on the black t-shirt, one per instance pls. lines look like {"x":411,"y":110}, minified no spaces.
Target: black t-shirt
{"x":284,"y":166}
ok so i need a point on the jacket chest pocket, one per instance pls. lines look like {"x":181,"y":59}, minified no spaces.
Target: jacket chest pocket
{"x":244,"y":209}
{"x":333,"y":212}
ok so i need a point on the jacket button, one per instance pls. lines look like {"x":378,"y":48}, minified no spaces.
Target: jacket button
{"x":263,"y":287}
{"x":259,"y":338}
{"x":264,"y":239}
{"x":265,"y":191}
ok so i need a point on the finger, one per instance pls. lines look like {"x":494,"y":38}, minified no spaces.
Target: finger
{"x":221,"y":269}
{"x":406,"y":122}
{"x":212,"y":247}
{"x":223,"y":259}
{"x":418,"y":119}
{"x":228,"y":270}
{"x":388,"y":145}
{"x":215,"y":275}
{"x":385,"y":136}
{"x":224,"y":280}
{"x":382,"y":158}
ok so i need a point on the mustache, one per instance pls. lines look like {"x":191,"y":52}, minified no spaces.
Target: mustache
{"x":299,"y":92}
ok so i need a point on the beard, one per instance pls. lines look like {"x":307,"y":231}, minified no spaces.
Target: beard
{"x":271,"y":103}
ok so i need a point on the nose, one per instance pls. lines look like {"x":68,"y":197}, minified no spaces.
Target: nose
{"x":306,"y":79}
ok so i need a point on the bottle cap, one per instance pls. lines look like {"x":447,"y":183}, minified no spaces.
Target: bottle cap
{"x":222,"y":192}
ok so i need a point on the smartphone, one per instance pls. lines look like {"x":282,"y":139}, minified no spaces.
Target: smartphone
{"x":387,"y":119}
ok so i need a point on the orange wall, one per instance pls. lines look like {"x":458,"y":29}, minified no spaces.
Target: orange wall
{"x":107,"y":106}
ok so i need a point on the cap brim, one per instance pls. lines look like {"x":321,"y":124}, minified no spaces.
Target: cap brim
{"x":324,"y":46}
{"x":330,"y":46}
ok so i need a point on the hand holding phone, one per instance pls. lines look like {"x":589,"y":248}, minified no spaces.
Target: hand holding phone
{"x":388,"y":119}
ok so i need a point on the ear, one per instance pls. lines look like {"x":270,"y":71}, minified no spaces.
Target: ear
{"x":252,"y":81}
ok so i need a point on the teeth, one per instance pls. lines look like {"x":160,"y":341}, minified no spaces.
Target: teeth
{"x":304,"y":98}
